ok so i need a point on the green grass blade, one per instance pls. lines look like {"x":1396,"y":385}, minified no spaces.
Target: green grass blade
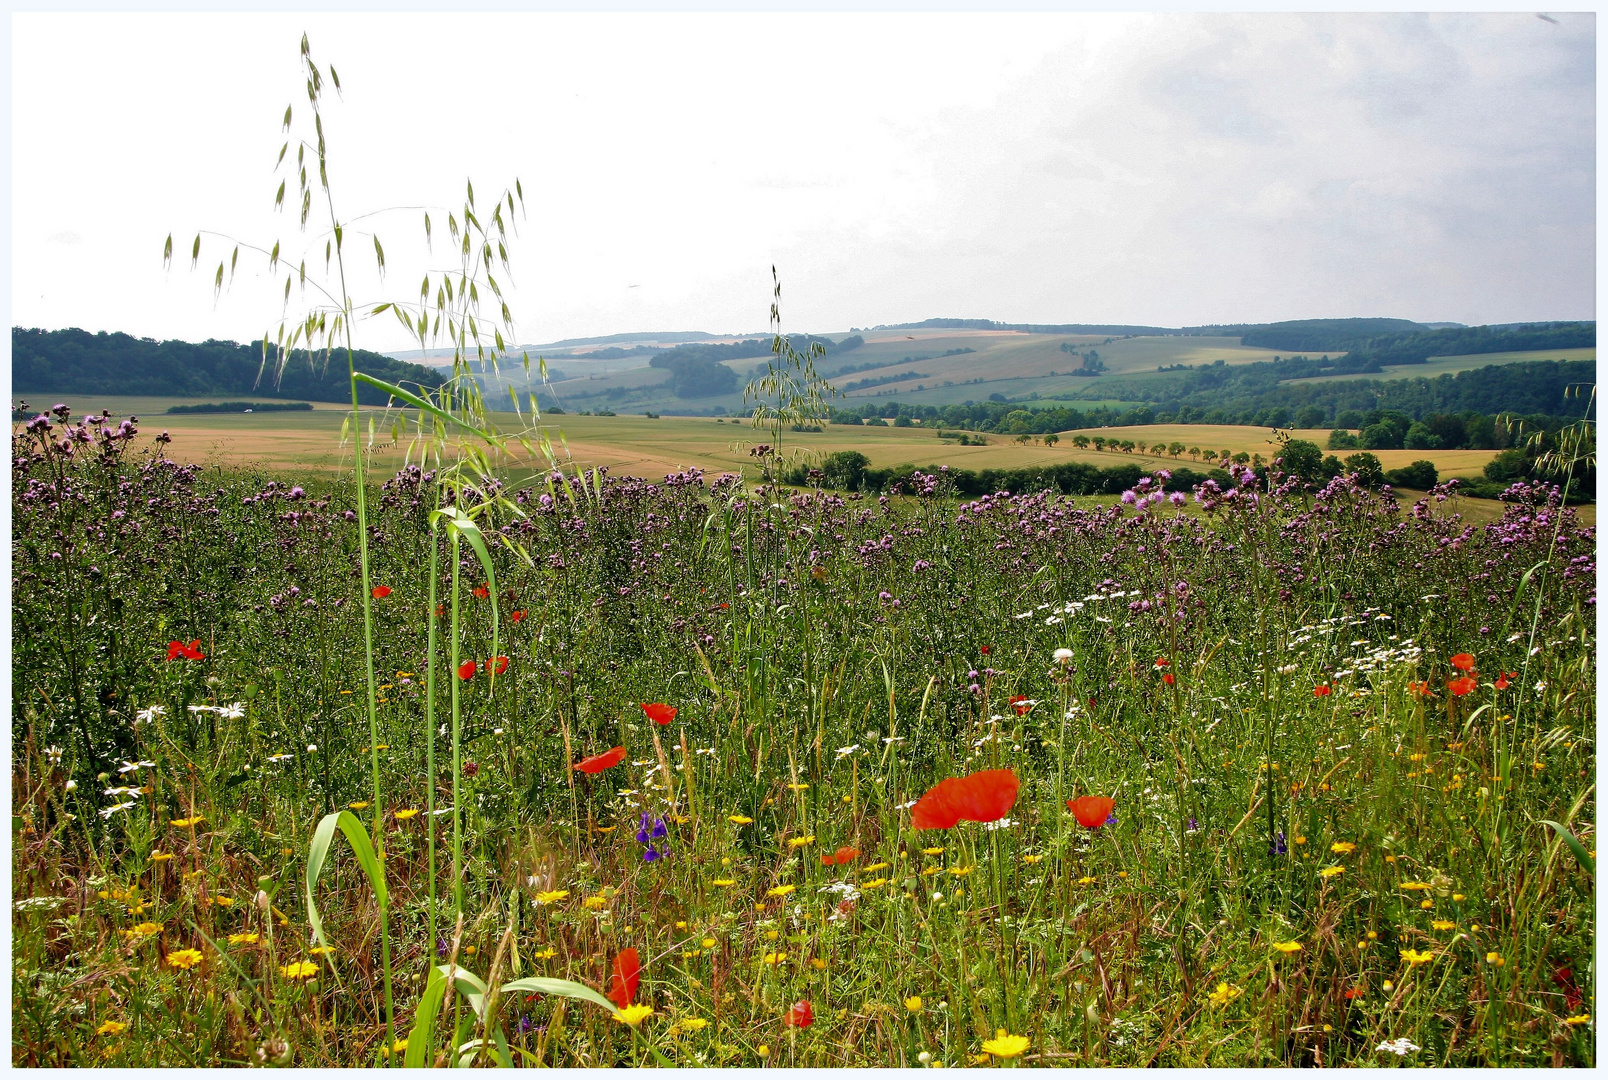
{"x":424,"y":1018}
{"x":318,"y":853}
{"x":1580,"y":853}
{"x":557,"y":988}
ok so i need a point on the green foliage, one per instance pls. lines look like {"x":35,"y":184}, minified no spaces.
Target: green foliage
{"x":1324,"y":335}
{"x":1419,"y":475}
{"x":76,"y":362}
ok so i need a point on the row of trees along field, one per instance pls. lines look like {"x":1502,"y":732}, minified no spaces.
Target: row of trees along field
{"x":1460,"y":410}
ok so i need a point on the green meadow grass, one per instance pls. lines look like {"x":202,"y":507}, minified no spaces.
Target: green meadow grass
{"x":1325,"y":848}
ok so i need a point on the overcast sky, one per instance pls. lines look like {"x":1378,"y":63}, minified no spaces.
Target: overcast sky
{"x":1160,"y":169}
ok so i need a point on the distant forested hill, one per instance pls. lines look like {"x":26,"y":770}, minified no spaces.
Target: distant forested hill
{"x":78,"y":362}
{"x":1323,"y":335}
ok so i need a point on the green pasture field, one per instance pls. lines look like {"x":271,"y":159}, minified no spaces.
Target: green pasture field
{"x":1450,"y":365}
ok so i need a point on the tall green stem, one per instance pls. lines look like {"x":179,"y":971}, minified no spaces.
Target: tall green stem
{"x":430,"y":727}
{"x":457,"y":749}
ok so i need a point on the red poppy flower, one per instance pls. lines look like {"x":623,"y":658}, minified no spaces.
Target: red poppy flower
{"x":1167,"y":677}
{"x":517,"y":616}
{"x":841,"y":857}
{"x":985,"y":650}
{"x":627,"y":973}
{"x":1506,"y":679}
{"x":191,"y":651}
{"x":1354,"y":992}
{"x":440,"y":610}
{"x":1322,"y":691}
{"x":982,"y":796}
{"x":380,"y":592}
{"x":1091,"y":810}
{"x":466,"y":670}
{"x":659,"y":712}
{"x":1419,"y":688}
{"x":799,"y":1016}
{"x":1021,"y":705}
{"x":1463,"y":662}
{"x":598,"y":762}
{"x":481,"y":592}
{"x":1462,"y":686}
{"x":1162,"y":661}
{"x":501,"y":665}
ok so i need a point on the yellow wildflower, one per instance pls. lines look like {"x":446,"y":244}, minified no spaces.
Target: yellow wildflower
{"x":798,"y":787}
{"x":403,"y":815}
{"x":1443,"y":924}
{"x":724,"y":883}
{"x":708,"y":943}
{"x":1031,"y":859}
{"x":1416,"y":886}
{"x":146,"y":929}
{"x":931,"y":870}
{"x":818,"y":963}
{"x":546,"y":954}
{"x":1459,"y":897}
{"x":913,"y":1003}
{"x":776,"y":958}
{"x":1414,"y":957}
{"x":1006,"y":1046}
{"x":117,"y":1027}
{"x":1575,"y":1021}
{"x":633,"y":1014}
{"x":552,"y":896}
{"x":1086,"y":880}
{"x":740,"y":819}
{"x":242,"y":939}
{"x":1331,"y":871}
{"x":874,"y":883}
{"x":874,"y":867}
{"x":961,"y":871}
{"x":781,"y":890}
{"x":932,"y":851}
{"x":223,"y":901}
{"x":358,"y":806}
{"x":1224,"y":994}
{"x":763,"y":1051}
{"x":1495,"y":959}
{"x":1342,"y":847}
{"x":161,"y":856}
{"x":184,"y":958}
{"x":304,"y":969}
{"x":1287,"y":947}
{"x":185,"y":823}
{"x":693,"y":1023}
{"x":800,"y":841}
{"x":592,"y":903}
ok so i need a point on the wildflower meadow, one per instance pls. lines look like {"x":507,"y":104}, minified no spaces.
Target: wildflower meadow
{"x":710,"y":773}
{"x":479,"y":763}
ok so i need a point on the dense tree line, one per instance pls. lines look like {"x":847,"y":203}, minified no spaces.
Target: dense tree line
{"x":1323,"y":335}
{"x":77,"y":362}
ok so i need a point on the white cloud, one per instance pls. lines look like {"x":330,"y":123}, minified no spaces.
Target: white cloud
{"x":1168,"y":169}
